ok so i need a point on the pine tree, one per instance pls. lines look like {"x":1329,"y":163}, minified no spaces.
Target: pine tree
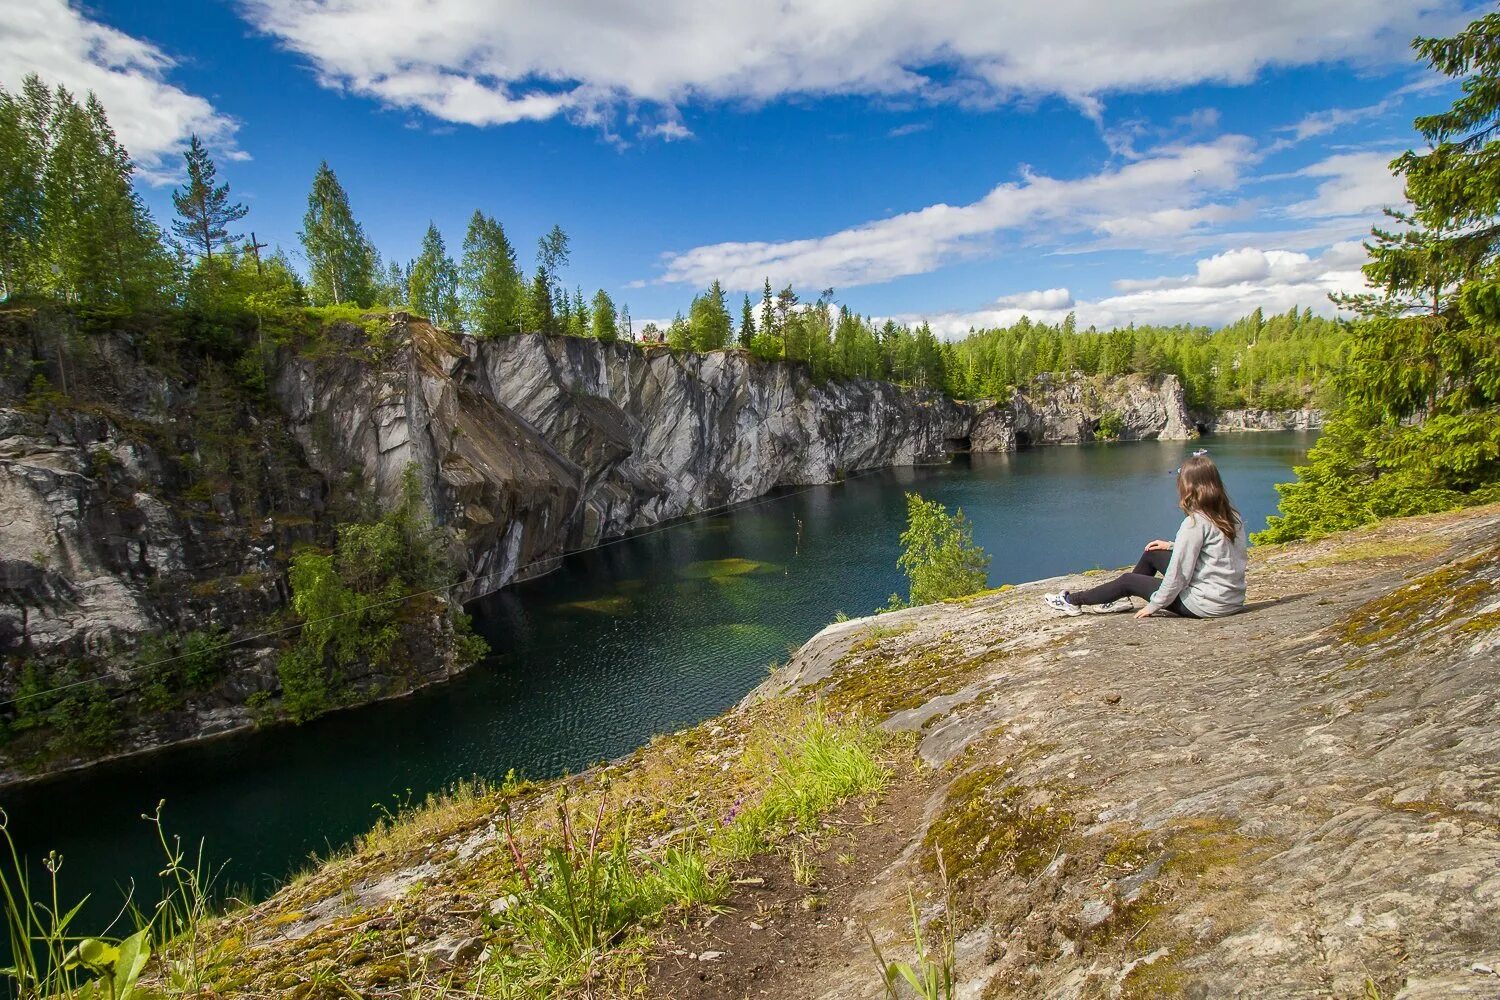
{"x":341,"y":259}
{"x":747,"y":323}
{"x":767,"y":312}
{"x":537,"y":315}
{"x":433,"y":284}
{"x":578,"y":315}
{"x":709,"y":320}
{"x":604,"y":326}
{"x":102,"y":245}
{"x":491,"y":285}
{"x":23,"y":158}
{"x":1419,"y":425}
{"x":205,"y":211}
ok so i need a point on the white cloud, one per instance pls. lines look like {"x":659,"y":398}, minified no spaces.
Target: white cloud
{"x":1322,"y":122}
{"x":152,"y":117}
{"x":1168,"y":191}
{"x":1359,"y":184}
{"x":1222,"y":288}
{"x":488,"y":62}
{"x":910,"y":128}
{"x":1047,"y":298}
{"x":670,"y":130}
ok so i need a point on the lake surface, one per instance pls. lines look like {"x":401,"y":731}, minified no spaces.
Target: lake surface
{"x":640,"y":637}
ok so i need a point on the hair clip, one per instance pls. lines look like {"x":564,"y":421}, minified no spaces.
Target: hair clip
{"x":1197,"y":454}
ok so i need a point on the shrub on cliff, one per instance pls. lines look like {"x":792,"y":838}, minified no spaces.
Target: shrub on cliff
{"x":349,"y":600}
{"x":1419,"y":426}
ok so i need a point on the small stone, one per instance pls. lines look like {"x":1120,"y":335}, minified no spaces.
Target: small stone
{"x":1482,"y":969}
{"x":756,"y":927}
{"x":710,"y":956}
{"x":1112,"y":698}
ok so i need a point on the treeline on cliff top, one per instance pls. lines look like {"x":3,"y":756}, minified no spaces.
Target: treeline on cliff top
{"x":73,"y":229}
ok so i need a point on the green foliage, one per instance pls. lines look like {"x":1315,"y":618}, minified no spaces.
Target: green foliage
{"x":432,"y":285}
{"x":930,"y":976}
{"x":708,"y":320}
{"x":348,"y":600}
{"x":1111,"y":426}
{"x":205,"y":211}
{"x":938,"y":554}
{"x":51,"y":961}
{"x":817,"y":766}
{"x":341,"y":259}
{"x":605,"y":323}
{"x":66,"y":704}
{"x":173,"y":666}
{"x":1419,"y":425}
{"x":71,"y":222}
{"x":492,"y":290}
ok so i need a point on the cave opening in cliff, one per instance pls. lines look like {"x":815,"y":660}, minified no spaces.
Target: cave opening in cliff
{"x":1023,"y":439}
{"x":957,"y":445}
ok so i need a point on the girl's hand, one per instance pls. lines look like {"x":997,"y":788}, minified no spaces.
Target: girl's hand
{"x":1144,"y":612}
{"x":1159,"y":545}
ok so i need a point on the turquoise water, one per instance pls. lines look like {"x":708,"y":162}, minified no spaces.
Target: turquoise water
{"x":640,"y":637}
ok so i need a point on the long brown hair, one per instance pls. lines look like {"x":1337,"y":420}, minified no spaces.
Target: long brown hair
{"x":1200,"y":490}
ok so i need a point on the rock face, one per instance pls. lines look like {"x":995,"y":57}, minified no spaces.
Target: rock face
{"x":1234,"y":421}
{"x":535,"y":446}
{"x":1070,"y":410}
{"x":141,"y":497}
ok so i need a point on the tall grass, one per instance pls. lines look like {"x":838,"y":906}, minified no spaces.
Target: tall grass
{"x":52,"y":961}
{"x":931,"y":974}
{"x":815,"y":768}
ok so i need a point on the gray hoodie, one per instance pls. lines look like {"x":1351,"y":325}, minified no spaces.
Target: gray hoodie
{"x":1207,"y":570}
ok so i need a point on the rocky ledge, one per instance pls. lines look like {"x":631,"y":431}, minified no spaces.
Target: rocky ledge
{"x":1300,"y":800}
{"x":1235,"y":421}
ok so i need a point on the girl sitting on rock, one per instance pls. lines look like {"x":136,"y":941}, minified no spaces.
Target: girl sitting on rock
{"x":1202,"y":572}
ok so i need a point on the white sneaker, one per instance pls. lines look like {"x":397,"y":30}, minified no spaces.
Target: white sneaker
{"x":1123,"y":604}
{"x":1060,"y":602}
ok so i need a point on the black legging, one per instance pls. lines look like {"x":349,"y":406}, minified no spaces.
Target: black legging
{"x":1139,"y":582}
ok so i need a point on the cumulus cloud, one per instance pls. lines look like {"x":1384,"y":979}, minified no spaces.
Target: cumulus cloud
{"x":489,"y":62}
{"x":1221,"y":288}
{"x":1051,"y":299}
{"x":152,"y":117}
{"x":1167,"y":191}
{"x":1358,"y":184}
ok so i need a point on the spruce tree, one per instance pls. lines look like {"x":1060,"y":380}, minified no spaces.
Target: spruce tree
{"x":538,"y":316}
{"x":23,"y":158}
{"x":767,"y":312}
{"x":709,"y":320}
{"x":341,"y":259}
{"x":102,"y":246}
{"x":1419,"y":425}
{"x":604,"y":325}
{"x":432,"y":288}
{"x":205,"y":211}
{"x":747,"y":323}
{"x":490,"y":282}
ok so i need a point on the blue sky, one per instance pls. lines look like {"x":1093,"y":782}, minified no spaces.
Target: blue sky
{"x":1130,"y":161}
